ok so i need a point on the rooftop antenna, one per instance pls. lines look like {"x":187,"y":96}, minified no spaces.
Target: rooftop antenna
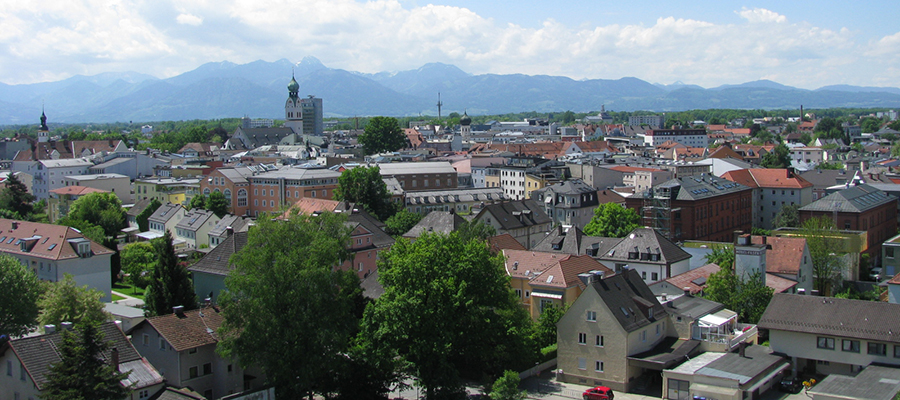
{"x":439,"y":104}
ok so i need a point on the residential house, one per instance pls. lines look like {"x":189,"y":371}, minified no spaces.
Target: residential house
{"x":725,"y":376}
{"x":210,"y":271}
{"x":195,"y":226}
{"x":443,"y":222}
{"x":182,"y":345}
{"x":824,"y":179}
{"x":167,"y":190}
{"x":828,"y":335}
{"x":61,"y":200}
{"x":773,"y":189}
{"x":873,"y":383}
{"x":524,"y":220}
{"x":27,"y":362}
{"x":226,"y":226}
{"x":695,"y":281}
{"x":132,"y":212}
{"x":651,"y":255}
{"x":809,"y":155}
{"x":51,"y":251}
{"x":120,"y":185}
{"x":572,"y":240}
{"x":194,"y":150}
{"x":562,"y":282}
{"x":413,"y":176}
{"x":569,"y":203}
{"x":49,"y":174}
{"x":695,"y":208}
{"x":165,"y":218}
{"x":860,"y":208}
{"x":787,"y":258}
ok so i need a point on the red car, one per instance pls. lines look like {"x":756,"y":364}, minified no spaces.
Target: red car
{"x":598,"y":393}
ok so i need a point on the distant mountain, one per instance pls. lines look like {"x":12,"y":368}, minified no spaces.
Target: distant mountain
{"x":259,"y":89}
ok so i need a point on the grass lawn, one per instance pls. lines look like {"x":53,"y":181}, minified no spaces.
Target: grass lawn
{"x":117,"y":298}
{"x":125,"y":288}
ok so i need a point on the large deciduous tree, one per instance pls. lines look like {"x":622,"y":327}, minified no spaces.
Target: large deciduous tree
{"x":382,"y":134}
{"x":285,"y":290}
{"x":81,"y":372}
{"x":363,"y":186}
{"x":748,"y":297}
{"x":19,"y":296}
{"x":722,"y":256}
{"x":612,"y":220}
{"x":170,"y":283}
{"x":779,"y":157}
{"x":65,"y":301}
{"x":448,"y":313}
{"x":402,"y":222}
{"x":217,"y":203}
{"x":788,"y":217}
{"x":824,"y":247}
{"x":138,"y":260}
{"x":104,"y":210}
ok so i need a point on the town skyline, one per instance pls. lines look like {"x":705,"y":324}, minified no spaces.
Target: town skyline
{"x":706,"y":44}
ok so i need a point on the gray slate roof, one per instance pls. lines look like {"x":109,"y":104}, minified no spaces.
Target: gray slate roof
{"x":629,"y":299}
{"x":216,"y":261}
{"x":692,"y":307}
{"x":646,"y":240}
{"x":822,"y":179}
{"x":873,"y":383}
{"x":194,"y":219}
{"x":503,"y":212}
{"x":237,"y":223}
{"x":574,"y":241}
{"x":699,"y":187}
{"x":571,"y":186}
{"x":138,"y":207}
{"x":165,"y":212}
{"x":436,"y":221}
{"x":855,"y":199}
{"x":859,"y":319}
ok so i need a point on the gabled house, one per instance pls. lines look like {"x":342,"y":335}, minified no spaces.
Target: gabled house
{"x":227,"y":226}
{"x":831,"y":335}
{"x":772,"y":190}
{"x":574,"y":241}
{"x":182,"y":345}
{"x":562,"y":282}
{"x":194,"y":227}
{"x":524,"y":220}
{"x":436,"y":221}
{"x":652,"y":256}
{"x":165,"y":218}
{"x":568,"y":203}
{"x":210,"y":271}
{"x":26,"y":362}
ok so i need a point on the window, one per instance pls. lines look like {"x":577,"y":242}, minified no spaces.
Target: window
{"x":582,"y":338}
{"x":8,"y":367}
{"x":192,"y":351}
{"x":678,"y":389}
{"x":592,"y":316}
{"x":888,"y":251}
{"x":878,"y":349}
{"x":657,"y":330}
{"x":22,"y":372}
{"x":850,"y":345}
{"x":582,"y":363}
{"x":654,"y":276}
{"x":644,"y":275}
{"x":599,"y":341}
{"x":207,"y":368}
{"x":825,"y":343}
{"x":162,"y":344}
{"x":519,"y":293}
{"x":192,"y":372}
{"x":598,"y":366}
{"x":896,"y":351}
{"x":644,"y":336}
{"x":145,"y":339}
{"x":230,"y":368}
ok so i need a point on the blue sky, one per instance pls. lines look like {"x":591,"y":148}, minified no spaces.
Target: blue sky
{"x":799,"y":43}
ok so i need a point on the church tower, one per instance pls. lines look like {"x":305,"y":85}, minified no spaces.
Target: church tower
{"x":465,"y":125}
{"x":293,"y":110}
{"x":43,"y":132}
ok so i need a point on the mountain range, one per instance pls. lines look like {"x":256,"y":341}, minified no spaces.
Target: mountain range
{"x":259,"y":89}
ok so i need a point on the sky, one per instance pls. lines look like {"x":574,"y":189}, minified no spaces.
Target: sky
{"x":806,"y":44}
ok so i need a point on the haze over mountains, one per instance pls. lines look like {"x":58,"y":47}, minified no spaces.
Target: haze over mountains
{"x":259,"y":89}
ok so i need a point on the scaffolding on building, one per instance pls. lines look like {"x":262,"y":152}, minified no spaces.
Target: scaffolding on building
{"x":657,"y":209}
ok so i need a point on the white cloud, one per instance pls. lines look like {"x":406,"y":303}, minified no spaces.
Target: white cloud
{"x":188,"y":19}
{"x":54,"y":40}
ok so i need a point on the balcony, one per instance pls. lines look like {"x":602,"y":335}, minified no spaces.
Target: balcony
{"x":721,"y":332}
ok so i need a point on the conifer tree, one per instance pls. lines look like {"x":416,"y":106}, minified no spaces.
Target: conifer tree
{"x":170,"y":284}
{"x":15,"y":197}
{"x":81,"y":372}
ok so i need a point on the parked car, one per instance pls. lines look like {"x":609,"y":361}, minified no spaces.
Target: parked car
{"x":875,"y":274}
{"x":790,"y":385}
{"x":598,"y":393}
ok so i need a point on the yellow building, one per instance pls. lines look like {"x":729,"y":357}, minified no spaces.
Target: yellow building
{"x":166,"y":190}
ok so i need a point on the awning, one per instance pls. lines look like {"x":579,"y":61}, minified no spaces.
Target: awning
{"x":150,"y":235}
{"x":701,"y":390}
{"x":718,"y":319}
{"x":547,"y":295}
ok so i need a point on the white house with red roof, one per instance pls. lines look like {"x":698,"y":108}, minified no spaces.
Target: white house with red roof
{"x":54,"y":250}
{"x":772,"y":190}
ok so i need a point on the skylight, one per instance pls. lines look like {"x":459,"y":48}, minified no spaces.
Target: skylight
{"x":52,"y":246}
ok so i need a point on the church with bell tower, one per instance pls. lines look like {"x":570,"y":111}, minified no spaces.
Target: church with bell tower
{"x":293,"y":108}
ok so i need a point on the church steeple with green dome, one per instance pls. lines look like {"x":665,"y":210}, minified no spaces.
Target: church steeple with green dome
{"x":293,"y":88}
{"x":293,"y":110}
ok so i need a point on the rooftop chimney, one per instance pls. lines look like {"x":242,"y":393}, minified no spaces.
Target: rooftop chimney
{"x":741,"y":347}
{"x":687,"y":291}
{"x":178,"y":310}
{"x":49,"y":329}
{"x":15,"y":225}
{"x":67,"y":326}
{"x":114,"y":356}
{"x":801,"y":291}
{"x":229,"y":230}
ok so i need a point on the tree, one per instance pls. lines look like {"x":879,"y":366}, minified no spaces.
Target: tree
{"x":138,"y":260}
{"x":198,"y":202}
{"x":475,"y":230}
{"x":447,"y":312}
{"x":748,"y":297}
{"x":287,"y":291}
{"x":402,"y":222}
{"x":143,"y":217}
{"x":170,"y":283}
{"x":382,"y":134}
{"x":545,"y":327}
{"x":217,"y":203}
{"x":18,"y":298}
{"x":363,"y":186}
{"x":82,"y":372}
{"x":779,"y":157}
{"x":895,"y":125}
{"x":103,"y":209}
{"x":788,"y":217}
{"x":723,"y":256}
{"x":506,"y":387}
{"x":824,"y":244}
{"x":65,"y":301}
{"x":15,"y":197}
{"x":612,"y":220}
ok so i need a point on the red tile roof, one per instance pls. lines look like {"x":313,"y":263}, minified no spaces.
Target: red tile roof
{"x":716,"y":127}
{"x":504,"y":242}
{"x":45,"y":240}
{"x":564,"y":274}
{"x":786,"y":254}
{"x":777,"y":283}
{"x":76,"y":190}
{"x":767,"y":178}
{"x":686,"y":280}
{"x":724,"y":152}
{"x":525,"y":263}
{"x":895,"y":280}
